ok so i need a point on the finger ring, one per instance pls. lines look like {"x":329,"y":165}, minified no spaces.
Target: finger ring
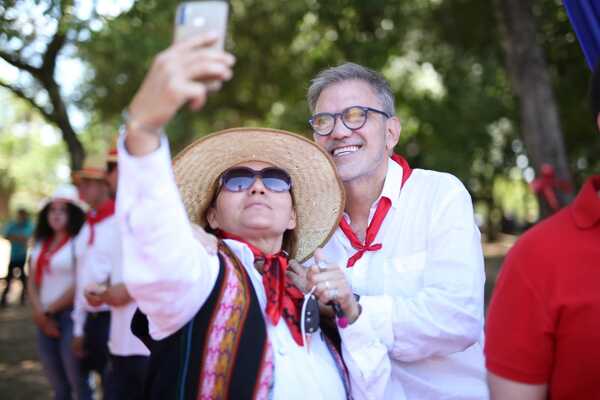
{"x":327,"y":284}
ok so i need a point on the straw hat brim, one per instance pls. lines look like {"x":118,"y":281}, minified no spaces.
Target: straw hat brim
{"x":318,"y":192}
{"x":98,"y":175}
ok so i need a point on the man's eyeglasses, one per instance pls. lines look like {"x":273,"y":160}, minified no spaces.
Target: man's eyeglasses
{"x":354,"y":117}
{"x":239,"y":179}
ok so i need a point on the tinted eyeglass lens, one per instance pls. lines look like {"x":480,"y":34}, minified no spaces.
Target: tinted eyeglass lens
{"x":323,"y":123}
{"x":276,"y":180}
{"x":354,"y":117}
{"x":240,"y":179}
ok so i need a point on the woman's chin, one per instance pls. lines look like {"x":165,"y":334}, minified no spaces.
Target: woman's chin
{"x":261,"y":227}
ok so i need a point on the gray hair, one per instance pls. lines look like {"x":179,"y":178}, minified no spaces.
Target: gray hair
{"x":347,"y":72}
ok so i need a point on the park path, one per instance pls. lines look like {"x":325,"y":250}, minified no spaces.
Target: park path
{"x":21,"y":376}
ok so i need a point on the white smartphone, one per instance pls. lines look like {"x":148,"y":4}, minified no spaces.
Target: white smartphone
{"x":193,"y":17}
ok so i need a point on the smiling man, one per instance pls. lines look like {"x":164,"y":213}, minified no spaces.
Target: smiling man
{"x":410,"y":273}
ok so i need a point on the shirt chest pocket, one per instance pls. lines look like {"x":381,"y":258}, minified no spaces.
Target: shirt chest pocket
{"x":404,"y":275}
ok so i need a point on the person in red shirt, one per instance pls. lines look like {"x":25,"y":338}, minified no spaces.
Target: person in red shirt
{"x":543,"y":325}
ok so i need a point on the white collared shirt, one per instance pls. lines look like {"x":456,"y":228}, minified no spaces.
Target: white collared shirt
{"x":170,"y":275}
{"x":59,"y":275}
{"x":420,"y":333}
{"x":102,"y":264}
{"x":86,"y":261}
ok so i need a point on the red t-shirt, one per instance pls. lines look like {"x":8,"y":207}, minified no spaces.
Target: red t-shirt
{"x":543,"y":324}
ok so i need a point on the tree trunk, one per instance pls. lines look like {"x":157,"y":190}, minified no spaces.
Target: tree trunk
{"x":540,"y":125}
{"x":44,"y":75}
{"x":61,"y":118}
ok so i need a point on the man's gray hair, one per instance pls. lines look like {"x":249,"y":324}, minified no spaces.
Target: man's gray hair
{"x":348,"y":72}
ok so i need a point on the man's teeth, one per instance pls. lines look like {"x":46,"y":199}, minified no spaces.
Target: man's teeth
{"x":341,"y":151}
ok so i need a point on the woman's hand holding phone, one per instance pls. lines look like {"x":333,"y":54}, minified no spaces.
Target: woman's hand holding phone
{"x":178,"y":75}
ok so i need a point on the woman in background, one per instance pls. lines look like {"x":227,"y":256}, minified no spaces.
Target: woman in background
{"x":51,"y":288}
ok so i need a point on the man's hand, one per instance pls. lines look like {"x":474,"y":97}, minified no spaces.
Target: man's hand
{"x":116,"y":295}
{"x":95,"y":294}
{"x":77,"y":346}
{"x":332,"y":286}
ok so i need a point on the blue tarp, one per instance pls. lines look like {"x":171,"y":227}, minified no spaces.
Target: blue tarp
{"x":585,"y":18}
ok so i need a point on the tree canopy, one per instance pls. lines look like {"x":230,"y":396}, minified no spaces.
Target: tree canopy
{"x":444,"y":60}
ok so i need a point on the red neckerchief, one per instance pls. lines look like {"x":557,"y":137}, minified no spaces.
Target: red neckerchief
{"x":105,"y":210}
{"x":43,"y":262}
{"x":283,"y":298}
{"x":380,"y":212}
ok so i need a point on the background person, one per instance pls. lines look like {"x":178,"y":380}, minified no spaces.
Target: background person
{"x":91,"y":324}
{"x":18,"y":233}
{"x":52,"y":287}
{"x":128,"y":355}
{"x":543,"y":325}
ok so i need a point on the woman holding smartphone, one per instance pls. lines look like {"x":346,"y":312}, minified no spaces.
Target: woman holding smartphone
{"x":223,"y":324}
{"x":51,"y":291}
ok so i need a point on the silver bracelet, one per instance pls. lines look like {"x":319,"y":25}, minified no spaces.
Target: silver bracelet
{"x":129,"y":121}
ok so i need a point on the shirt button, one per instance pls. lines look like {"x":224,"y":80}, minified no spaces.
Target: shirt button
{"x":281,"y":352}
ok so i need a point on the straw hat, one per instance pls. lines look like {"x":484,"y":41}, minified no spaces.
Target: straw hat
{"x":318,"y":192}
{"x":66,"y":193}
{"x":93,"y":168}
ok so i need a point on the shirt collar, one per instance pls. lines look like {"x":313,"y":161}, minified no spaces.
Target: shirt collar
{"x":586,"y":207}
{"x":391,"y":188}
{"x":392,"y":183}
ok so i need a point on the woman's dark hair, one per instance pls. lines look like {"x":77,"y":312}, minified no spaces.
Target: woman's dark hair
{"x":75,"y":220}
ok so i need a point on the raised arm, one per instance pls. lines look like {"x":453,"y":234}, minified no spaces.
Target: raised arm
{"x":165,"y":269}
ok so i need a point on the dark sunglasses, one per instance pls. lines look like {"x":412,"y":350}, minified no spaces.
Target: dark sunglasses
{"x":239,"y":179}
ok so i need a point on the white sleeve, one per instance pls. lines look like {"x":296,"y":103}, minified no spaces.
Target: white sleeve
{"x":369,"y":365}
{"x":166,"y":271}
{"x":446,"y":315}
{"x":79,"y":310}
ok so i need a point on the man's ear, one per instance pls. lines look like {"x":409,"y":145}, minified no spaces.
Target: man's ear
{"x":598,"y":122}
{"x":211,"y":217}
{"x":392,"y":133}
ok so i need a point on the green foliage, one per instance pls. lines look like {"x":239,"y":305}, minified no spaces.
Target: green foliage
{"x":444,"y":60}
{"x":33,"y":160}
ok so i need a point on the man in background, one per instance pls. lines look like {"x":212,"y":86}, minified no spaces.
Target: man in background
{"x":104,"y":286}
{"x":18,"y":233}
{"x":91,"y":324}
